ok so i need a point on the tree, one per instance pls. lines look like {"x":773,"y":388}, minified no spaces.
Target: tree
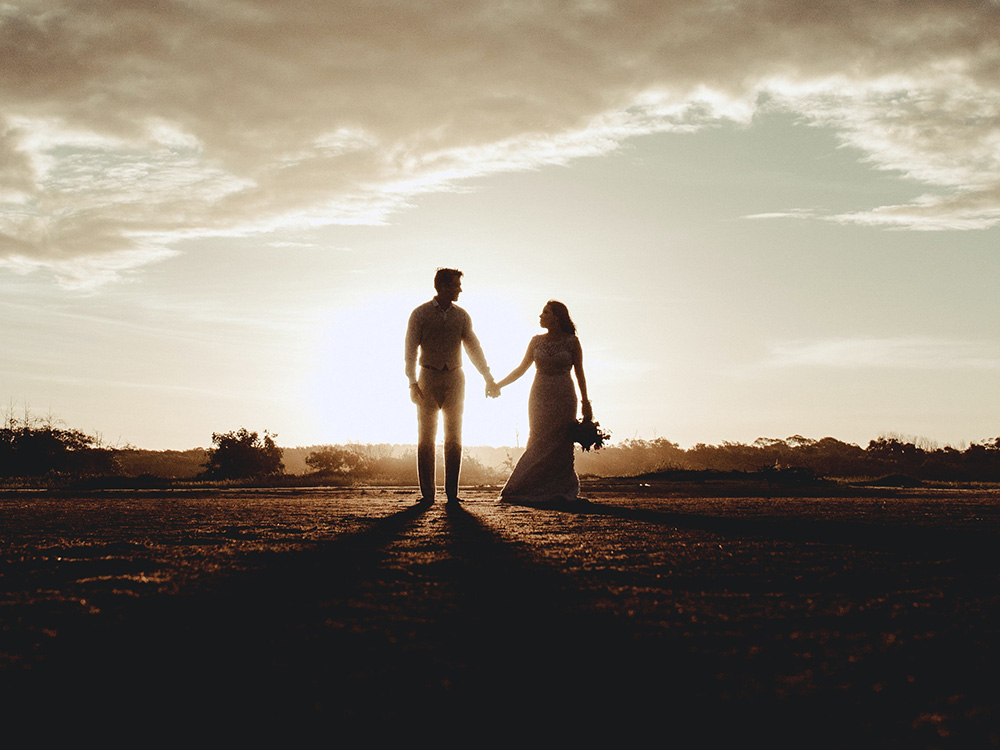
{"x":243,"y":455}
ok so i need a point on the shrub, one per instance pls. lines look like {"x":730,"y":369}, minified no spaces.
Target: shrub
{"x":242,"y":454}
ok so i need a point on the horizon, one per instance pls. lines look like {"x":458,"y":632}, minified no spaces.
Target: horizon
{"x":765,"y":218}
{"x":920,"y":441}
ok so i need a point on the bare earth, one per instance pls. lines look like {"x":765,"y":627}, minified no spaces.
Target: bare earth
{"x":152,"y":618}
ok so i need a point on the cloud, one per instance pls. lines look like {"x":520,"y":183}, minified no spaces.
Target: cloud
{"x":908,"y":353}
{"x":795,"y":213}
{"x":126,"y":126}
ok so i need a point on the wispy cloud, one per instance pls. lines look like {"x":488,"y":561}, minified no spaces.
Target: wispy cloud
{"x":795,"y":213}
{"x":908,"y":353}
{"x":125,"y":126}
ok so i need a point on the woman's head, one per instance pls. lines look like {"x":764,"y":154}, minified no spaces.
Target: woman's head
{"x":559,"y":316}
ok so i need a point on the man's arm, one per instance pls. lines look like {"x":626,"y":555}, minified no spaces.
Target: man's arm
{"x":475,"y":351}
{"x":410,"y":354}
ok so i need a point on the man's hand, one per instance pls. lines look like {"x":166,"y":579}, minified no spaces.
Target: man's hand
{"x":416,"y":395}
{"x":492,"y":389}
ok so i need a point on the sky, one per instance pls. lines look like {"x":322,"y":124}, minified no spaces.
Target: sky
{"x":767,"y":217}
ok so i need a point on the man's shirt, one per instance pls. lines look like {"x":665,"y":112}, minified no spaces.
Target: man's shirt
{"x":439,"y":334}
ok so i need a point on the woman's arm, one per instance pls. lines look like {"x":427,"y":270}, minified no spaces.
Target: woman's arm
{"x":522,"y":368}
{"x":581,"y":380}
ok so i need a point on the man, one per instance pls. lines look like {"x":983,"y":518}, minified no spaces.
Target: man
{"x":438,"y":329}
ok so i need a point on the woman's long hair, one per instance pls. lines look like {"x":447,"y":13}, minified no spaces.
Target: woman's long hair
{"x":562,"y":315}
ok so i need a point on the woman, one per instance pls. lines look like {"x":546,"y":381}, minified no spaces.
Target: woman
{"x":545,"y":472}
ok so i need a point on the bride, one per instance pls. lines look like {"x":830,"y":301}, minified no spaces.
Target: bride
{"x":545,"y":471}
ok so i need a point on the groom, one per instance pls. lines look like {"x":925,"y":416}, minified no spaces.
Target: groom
{"x":438,"y":329}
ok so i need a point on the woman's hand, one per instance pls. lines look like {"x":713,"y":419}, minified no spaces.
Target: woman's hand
{"x":588,"y":411}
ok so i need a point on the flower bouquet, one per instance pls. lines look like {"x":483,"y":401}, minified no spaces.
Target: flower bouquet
{"x":589,"y":434}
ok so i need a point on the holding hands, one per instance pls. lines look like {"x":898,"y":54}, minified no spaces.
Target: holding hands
{"x":492,"y":389}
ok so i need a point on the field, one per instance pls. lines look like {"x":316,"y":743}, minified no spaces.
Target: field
{"x":851,"y":621}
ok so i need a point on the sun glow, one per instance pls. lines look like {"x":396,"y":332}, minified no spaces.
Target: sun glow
{"x":358,"y":385}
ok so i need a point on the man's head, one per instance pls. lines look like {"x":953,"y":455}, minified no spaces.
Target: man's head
{"x":448,"y":283}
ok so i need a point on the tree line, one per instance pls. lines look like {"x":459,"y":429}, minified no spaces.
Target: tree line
{"x":42,"y":452}
{"x":826,"y":457}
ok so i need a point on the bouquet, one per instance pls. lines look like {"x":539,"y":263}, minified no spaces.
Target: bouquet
{"x":589,"y":434}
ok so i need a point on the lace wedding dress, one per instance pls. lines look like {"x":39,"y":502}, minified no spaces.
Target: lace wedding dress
{"x":545,"y":471}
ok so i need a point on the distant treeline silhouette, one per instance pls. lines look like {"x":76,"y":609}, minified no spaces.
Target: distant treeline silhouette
{"x":37,"y":451}
{"x":378,"y":464}
{"x":827,"y":457}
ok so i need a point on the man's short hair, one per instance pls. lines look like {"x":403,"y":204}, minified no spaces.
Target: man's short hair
{"x":445,"y":275}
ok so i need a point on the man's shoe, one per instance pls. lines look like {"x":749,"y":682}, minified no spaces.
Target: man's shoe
{"x":454,"y":500}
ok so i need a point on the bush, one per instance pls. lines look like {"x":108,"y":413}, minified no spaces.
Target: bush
{"x":243,"y":455}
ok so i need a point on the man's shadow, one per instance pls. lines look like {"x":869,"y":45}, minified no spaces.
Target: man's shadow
{"x":329,"y":567}
{"x":256,"y":642}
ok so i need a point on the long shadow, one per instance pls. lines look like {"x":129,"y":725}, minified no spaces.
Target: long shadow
{"x":327,"y":568}
{"x":895,"y":535}
{"x":244,"y":657}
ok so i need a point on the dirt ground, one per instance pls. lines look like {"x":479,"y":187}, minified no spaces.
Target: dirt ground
{"x":645,"y":615}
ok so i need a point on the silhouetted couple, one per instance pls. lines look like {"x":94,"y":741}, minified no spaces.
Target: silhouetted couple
{"x":435,"y":335}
